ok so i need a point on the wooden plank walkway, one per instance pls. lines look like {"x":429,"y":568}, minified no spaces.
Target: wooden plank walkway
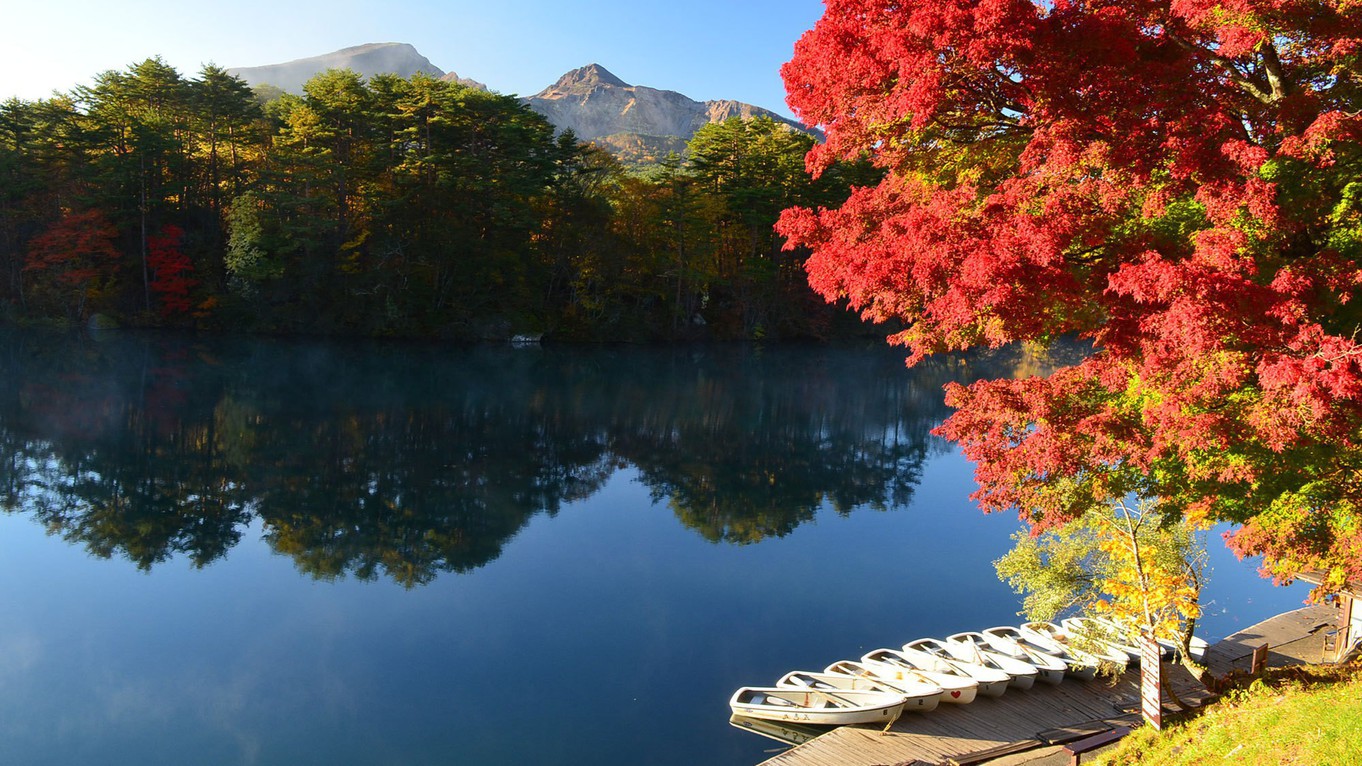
{"x":1292,"y":638}
{"x":990,"y":728}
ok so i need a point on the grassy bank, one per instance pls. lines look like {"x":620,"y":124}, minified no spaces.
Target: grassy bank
{"x":1306,"y":715}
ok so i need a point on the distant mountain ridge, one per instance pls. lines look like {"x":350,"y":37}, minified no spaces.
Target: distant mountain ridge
{"x":368,"y":60}
{"x":598,"y":106}
{"x":640,"y":125}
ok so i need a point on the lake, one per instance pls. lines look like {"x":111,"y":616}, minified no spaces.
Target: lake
{"x":244,"y":551}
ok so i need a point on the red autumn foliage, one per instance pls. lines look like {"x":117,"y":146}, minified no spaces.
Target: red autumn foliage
{"x":1176,"y":182}
{"x":73,"y":256}
{"x":170,"y":271}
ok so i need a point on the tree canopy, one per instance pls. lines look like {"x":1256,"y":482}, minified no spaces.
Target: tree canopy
{"x":394,"y":207}
{"x":1178,"y":182}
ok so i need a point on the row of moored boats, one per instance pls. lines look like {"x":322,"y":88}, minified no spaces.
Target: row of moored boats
{"x":885,"y":683}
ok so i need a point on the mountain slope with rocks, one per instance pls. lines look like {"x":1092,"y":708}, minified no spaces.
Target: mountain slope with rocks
{"x":633,"y":121}
{"x":368,"y":60}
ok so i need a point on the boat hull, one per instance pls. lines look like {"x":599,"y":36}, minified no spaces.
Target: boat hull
{"x":960,"y":690}
{"x":992,"y":682}
{"x":921,"y":694}
{"x":918,"y":696}
{"x":816,"y":707}
{"x":1049,"y":668}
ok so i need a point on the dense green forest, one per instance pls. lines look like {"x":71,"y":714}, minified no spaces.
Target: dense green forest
{"x":392,"y":207}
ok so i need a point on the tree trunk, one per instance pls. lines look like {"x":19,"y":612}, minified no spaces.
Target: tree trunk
{"x":1168,"y":691}
{"x":146,"y":274}
{"x":1199,"y":671}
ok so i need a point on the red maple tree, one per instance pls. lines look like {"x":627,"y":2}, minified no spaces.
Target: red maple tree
{"x":170,"y":271}
{"x":1179,"y":182}
{"x":73,"y":258}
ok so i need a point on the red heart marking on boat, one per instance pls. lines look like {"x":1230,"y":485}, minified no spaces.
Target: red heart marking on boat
{"x":955,"y":694}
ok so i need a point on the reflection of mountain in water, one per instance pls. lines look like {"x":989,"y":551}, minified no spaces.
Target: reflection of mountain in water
{"x":407,"y":462}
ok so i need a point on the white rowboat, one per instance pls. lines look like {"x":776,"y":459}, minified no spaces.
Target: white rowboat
{"x":1088,"y":630}
{"x":907,"y":681}
{"x":1196,"y":647}
{"x":1008,"y":638}
{"x":1044,"y":667}
{"x":816,"y":706}
{"x":1127,"y":633}
{"x":918,"y":696}
{"x":992,"y":682}
{"x":960,"y":688}
{"x":1050,"y":667}
{"x":1095,"y":655}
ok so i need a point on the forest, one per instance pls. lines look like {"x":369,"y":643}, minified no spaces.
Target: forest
{"x":393,"y":208}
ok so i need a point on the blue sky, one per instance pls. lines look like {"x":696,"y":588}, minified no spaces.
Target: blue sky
{"x":707,"y":49}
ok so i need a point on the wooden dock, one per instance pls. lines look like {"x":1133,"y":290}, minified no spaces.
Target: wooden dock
{"x":1292,"y":638}
{"x":1045,"y":717}
{"x":989,"y":727}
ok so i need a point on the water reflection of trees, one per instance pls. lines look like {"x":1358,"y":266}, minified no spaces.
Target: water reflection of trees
{"x":752,"y":445}
{"x":411,"y":461}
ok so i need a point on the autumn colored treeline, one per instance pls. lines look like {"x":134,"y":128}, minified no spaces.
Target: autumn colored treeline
{"x":391,"y":207}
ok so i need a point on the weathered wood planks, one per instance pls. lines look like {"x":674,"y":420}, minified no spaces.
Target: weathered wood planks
{"x":1290,"y":636}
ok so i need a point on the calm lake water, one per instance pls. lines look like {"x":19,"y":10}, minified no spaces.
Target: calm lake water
{"x":271,"y":552}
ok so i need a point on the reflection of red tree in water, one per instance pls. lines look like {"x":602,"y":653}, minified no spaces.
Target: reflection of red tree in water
{"x":84,"y":407}
{"x":72,"y":410}
{"x":165,"y":397}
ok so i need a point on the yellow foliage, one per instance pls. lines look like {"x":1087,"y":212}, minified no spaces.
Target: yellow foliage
{"x":1152,"y":574}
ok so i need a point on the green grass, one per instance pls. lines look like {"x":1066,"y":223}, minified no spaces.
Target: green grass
{"x":1310,"y":716}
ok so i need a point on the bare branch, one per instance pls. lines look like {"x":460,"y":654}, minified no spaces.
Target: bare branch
{"x":1272,"y":66}
{"x":1241,"y":80}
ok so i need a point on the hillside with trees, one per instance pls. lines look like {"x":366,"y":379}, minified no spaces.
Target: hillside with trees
{"x":392,"y":207}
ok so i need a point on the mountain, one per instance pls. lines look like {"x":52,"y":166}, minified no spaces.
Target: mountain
{"x":400,"y":59}
{"x":452,"y":77}
{"x":640,"y":125}
{"x":635,"y":122}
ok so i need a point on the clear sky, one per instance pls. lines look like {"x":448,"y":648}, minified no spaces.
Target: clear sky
{"x":706,"y":49}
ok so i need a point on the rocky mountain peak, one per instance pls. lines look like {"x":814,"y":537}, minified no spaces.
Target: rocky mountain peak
{"x":465,"y":81}
{"x":597,"y":105}
{"x":586,"y":78}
